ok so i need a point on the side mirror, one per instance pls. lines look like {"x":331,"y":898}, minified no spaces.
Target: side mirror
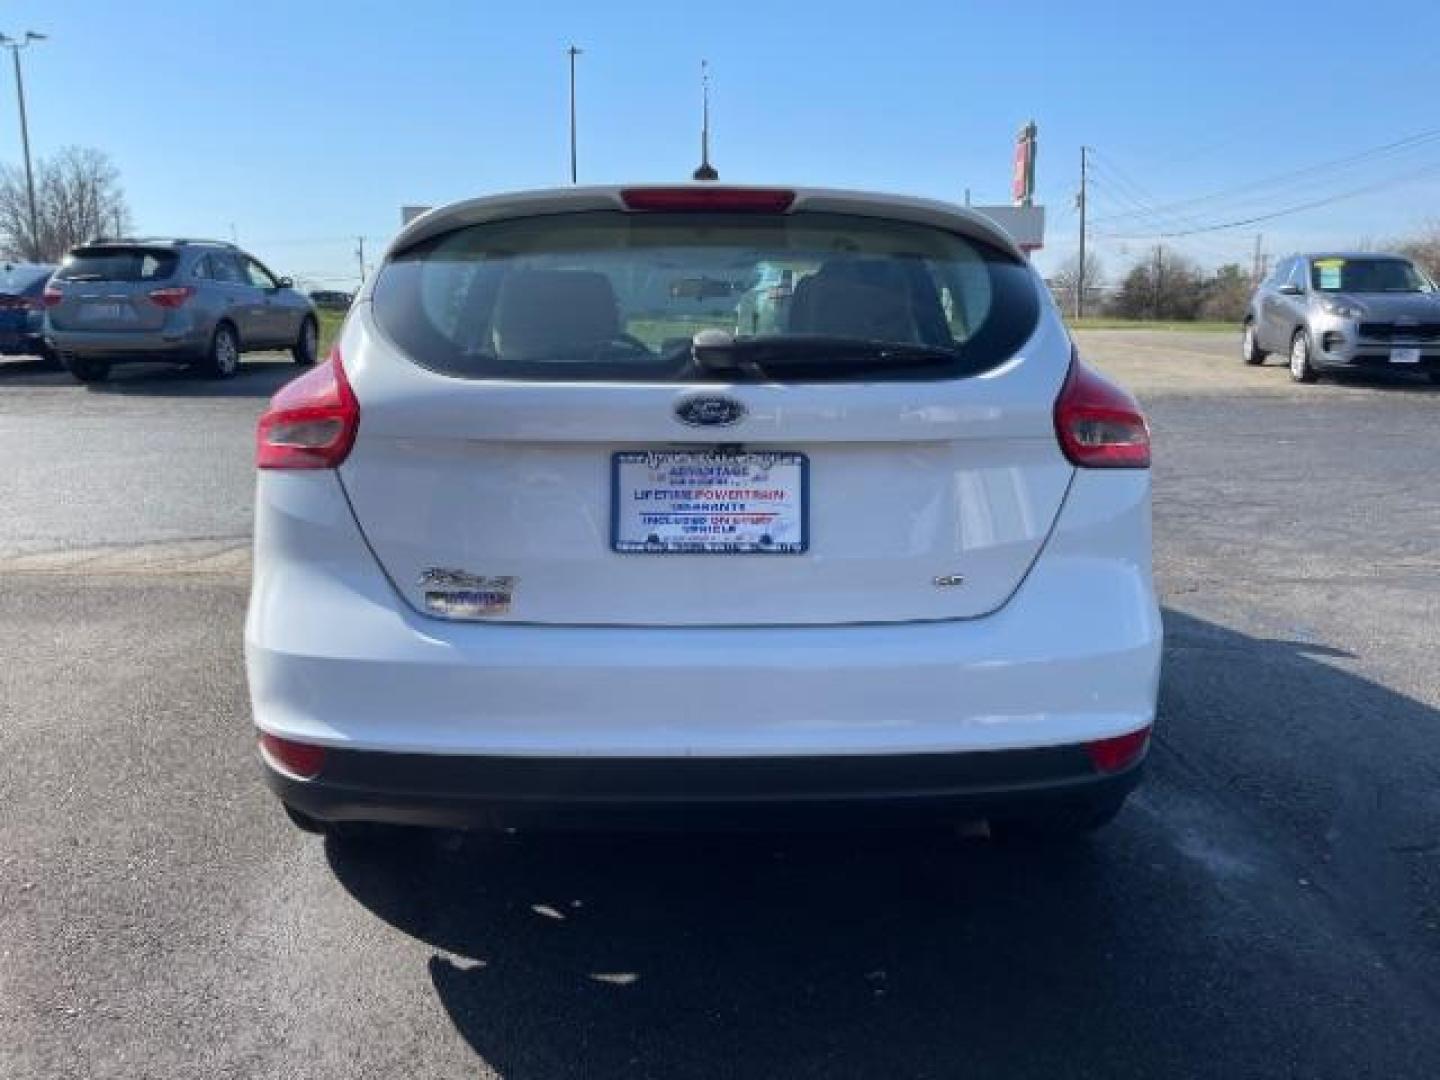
{"x":287,"y":283}
{"x":1291,"y":290}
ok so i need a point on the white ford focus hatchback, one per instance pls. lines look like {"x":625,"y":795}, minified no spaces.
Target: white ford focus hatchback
{"x":703,"y":504}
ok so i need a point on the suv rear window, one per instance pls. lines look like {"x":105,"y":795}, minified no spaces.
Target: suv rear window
{"x":117,"y":264}
{"x":611,"y":296}
{"x":19,"y":276}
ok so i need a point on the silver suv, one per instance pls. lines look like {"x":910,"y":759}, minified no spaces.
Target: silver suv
{"x":194,"y":302}
{"x":1360,"y":311}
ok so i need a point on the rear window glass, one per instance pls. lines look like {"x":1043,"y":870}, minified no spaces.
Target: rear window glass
{"x":610,"y":296}
{"x":117,"y":264}
{"x":15,"y":276}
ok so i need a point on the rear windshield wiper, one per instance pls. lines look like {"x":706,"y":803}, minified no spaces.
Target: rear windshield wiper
{"x":765,"y":354}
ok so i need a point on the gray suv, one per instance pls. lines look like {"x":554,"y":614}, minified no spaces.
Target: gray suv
{"x":1359,"y":311}
{"x":194,"y":302}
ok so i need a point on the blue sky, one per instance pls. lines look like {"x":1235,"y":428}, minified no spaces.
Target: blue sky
{"x":306,"y":124}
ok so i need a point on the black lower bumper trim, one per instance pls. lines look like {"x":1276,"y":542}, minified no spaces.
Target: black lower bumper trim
{"x":570,"y":793}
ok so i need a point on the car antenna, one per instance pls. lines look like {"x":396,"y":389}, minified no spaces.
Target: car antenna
{"x":706,"y":172}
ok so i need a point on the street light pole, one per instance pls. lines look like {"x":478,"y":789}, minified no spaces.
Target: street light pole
{"x":15,"y":46}
{"x":574,"y":52}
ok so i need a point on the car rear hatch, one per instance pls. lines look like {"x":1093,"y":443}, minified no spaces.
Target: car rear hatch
{"x":792,"y":479}
{"x":113,"y":288}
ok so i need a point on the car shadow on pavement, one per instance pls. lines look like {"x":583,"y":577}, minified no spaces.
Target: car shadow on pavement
{"x":254,"y":379}
{"x":1153,"y":949}
{"x":32,"y":371}
{"x":1394,"y":382}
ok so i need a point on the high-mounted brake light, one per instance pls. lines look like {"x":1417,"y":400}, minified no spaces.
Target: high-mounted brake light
{"x":171,"y":297}
{"x":706,"y":198}
{"x":312,"y":421}
{"x":1099,"y":424}
{"x":52,"y":295}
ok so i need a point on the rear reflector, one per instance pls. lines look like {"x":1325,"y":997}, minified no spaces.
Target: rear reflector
{"x":52,"y":296}
{"x":1112,"y":755}
{"x":1099,"y":424}
{"x":300,"y":760}
{"x":724,"y":200}
{"x":171,"y":297}
{"x":311,"y":423}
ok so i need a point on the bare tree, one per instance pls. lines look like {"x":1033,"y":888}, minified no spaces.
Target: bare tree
{"x":1424,"y":248}
{"x":1065,"y":283}
{"x":1162,"y":285}
{"x":1227,"y":294}
{"x":77,"y":195}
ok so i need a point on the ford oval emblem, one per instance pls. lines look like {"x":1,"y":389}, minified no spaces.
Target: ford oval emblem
{"x":709,"y":410}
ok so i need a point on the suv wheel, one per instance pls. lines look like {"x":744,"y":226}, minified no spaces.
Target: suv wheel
{"x":303,"y":352}
{"x":1301,"y":369}
{"x":87,"y":369}
{"x":223,"y":359}
{"x":1250,"y":350}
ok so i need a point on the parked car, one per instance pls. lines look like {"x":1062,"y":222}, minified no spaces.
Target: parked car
{"x":22,"y":309}
{"x":194,"y":302}
{"x":1338,"y":312}
{"x":516,"y":566}
{"x":331,"y":300}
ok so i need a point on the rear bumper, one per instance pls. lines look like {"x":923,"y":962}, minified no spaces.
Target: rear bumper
{"x":808,"y":792}
{"x":120,"y":346}
{"x":335,"y":658}
{"x":21,"y":342}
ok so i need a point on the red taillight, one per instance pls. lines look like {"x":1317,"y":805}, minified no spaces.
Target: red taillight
{"x":171,"y":297}
{"x":311,"y":423}
{"x":1099,"y":424}
{"x":725,"y":200}
{"x":300,"y":760}
{"x":9,"y":302}
{"x":52,"y":296}
{"x":1112,"y":755}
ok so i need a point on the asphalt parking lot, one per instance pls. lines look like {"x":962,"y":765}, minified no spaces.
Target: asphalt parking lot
{"x":1269,"y":904}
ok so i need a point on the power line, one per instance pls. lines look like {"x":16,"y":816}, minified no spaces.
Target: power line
{"x":1111,"y":196}
{"x":1410,"y":142}
{"x":1121,"y":200}
{"x":1313,"y":204}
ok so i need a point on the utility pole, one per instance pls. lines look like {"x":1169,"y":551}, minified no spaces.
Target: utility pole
{"x":1081,"y":200}
{"x":1257,"y":271}
{"x":15,"y":46}
{"x":360,"y":254}
{"x":574,"y":52}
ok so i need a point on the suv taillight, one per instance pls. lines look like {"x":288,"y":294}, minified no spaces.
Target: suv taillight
{"x":171,"y":297}
{"x":311,"y":422}
{"x":1099,"y":424}
{"x":52,"y":295}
